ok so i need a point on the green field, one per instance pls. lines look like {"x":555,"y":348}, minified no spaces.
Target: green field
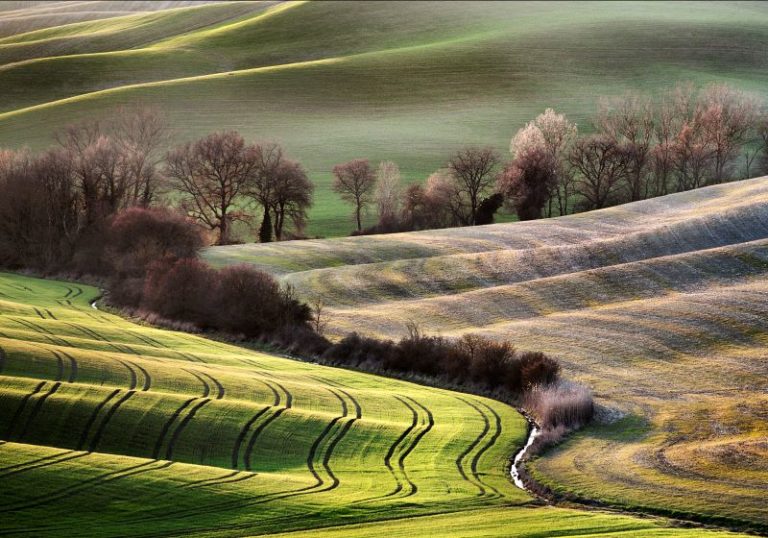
{"x":111,"y":428}
{"x":334,"y":81}
{"x":659,"y":306}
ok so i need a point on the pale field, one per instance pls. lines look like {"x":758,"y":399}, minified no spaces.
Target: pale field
{"x":660,"y":306}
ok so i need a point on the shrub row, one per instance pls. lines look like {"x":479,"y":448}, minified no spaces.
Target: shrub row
{"x":469,"y":361}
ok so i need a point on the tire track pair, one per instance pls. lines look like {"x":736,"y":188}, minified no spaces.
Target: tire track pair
{"x":253,"y":420}
{"x":403,"y":446}
{"x":33,"y":412}
{"x":321,"y":484}
{"x":193,"y":406}
{"x":476,"y":480}
{"x":91,"y":334}
{"x":51,"y":337}
{"x":111,"y":410}
{"x":134,"y":377}
{"x":90,"y":483}
{"x":60,"y":355}
{"x":262,"y":426}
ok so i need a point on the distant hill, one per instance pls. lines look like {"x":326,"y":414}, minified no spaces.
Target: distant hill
{"x":408,"y":81}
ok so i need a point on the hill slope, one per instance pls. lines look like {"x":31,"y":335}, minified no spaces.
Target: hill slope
{"x":337,"y":80}
{"x":110,"y":428}
{"x":659,"y":305}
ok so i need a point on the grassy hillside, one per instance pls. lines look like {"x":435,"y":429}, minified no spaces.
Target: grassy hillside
{"x":110,"y":428}
{"x":660,"y":306}
{"x":332,"y":81}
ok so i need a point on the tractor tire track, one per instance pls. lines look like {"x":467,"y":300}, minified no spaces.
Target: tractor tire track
{"x":110,"y":413}
{"x":84,"y":485}
{"x":244,"y":431}
{"x":484,"y":449}
{"x":416,"y":440}
{"x":180,"y":428}
{"x":62,"y":458}
{"x":37,"y":311}
{"x":42,"y":331}
{"x":59,"y":366}
{"x":20,"y":409}
{"x":134,"y":381}
{"x":219,"y":386}
{"x":8,"y":468}
{"x":93,"y":417}
{"x":206,"y":387}
{"x":400,"y":461}
{"x":50,"y":314}
{"x":167,"y":426}
{"x":147,"y":378}
{"x":2,"y":359}
{"x":260,"y":428}
{"x":36,"y":409}
{"x":72,"y":366}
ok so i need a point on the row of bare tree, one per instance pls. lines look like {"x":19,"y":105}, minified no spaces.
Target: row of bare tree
{"x":639,"y":148}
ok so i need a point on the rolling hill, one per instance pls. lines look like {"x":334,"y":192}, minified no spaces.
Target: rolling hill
{"x":110,"y":428}
{"x":333,"y":81}
{"x":660,"y":306}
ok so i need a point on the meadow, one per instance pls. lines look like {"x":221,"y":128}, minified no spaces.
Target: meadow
{"x":659,"y":306}
{"x":336,"y":81}
{"x":113,"y":428}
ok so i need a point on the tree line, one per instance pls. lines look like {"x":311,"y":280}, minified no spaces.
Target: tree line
{"x":635,"y":148}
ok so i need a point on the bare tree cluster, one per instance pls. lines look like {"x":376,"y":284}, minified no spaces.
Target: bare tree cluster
{"x":638,"y":149}
{"x":56,"y":200}
{"x":220,"y":174}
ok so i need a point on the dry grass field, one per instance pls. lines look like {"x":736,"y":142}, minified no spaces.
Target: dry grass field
{"x":660,"y":306}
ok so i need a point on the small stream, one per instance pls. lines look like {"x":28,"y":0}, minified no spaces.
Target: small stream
{"x":513,"y":471}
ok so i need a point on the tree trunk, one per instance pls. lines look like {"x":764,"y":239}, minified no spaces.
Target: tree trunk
{"x":359,"y":221}
{"x":265,"y":232}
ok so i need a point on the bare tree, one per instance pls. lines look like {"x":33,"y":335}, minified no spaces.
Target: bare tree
{"x":693,"y":158}
{"x":319,"y":317}
{"x":629,"y":121}
{"x":555,"y":134}
{"x":388,"y":193}
{"x":728,"y":116}
{"x":528,"y":181}
{"x":473,"y":170}
{"x":601,"y":165}
{"x":291,"y":196}
{"x":212,"y":174}
{"x":355,"y":183}
{"x":269,"y":159}
{"x":140,"y":133}
{"x":762,"y":141}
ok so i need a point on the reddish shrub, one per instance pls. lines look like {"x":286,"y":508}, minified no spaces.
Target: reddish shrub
{"x":137,"y":237}
{"x":180,"y":289}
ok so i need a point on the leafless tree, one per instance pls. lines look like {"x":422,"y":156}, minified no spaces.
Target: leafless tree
{"x":727,"y":117}
{"x":473,"y":170}
{"x":355,"y":183}
{"x":528,"y":181}
{"x":212,"y":175}
{"x":629,"y":121}
{"x":141,"y":133}
{"x":388,"y":193}
{"x":291,"y":196}
{"x":319,"y":317}
{"x":762,"y":142}
{"x":601,"y":165}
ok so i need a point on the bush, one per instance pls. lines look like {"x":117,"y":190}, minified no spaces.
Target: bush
{"x":471,"y":360}
{"x":567,"y":405}
{"x":137,"y":237}
{"x":251,"y":302}
{"x":180,"y":290}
